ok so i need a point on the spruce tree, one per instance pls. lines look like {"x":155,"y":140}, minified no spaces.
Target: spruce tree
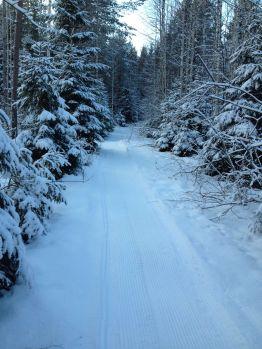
{"x":50,"y":130}
{"x":80,"y":85}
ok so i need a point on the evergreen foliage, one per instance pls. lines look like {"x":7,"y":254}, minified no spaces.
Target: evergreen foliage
{"x":234,"y":144}
{"x":11,"y":245}
{"x":184,"y":125}
{"x":80,"y":86}
{"x":50,"y":130}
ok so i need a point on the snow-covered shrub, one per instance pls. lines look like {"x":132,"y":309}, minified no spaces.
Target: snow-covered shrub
{"x":11,"y":245}
{"x":33,"y":190}
{"x":183,"y":126}
{"x":151,"y":125}
{"x":233,"y":149}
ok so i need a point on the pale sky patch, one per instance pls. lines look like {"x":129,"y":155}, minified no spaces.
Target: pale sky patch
{"x":139,"y":21}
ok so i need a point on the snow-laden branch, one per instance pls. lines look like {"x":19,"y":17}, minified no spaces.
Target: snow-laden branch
{"x":236,"y":104}
{"x":209,"y":84}
{"x":24,"y":12}
{"x":227,"y":85}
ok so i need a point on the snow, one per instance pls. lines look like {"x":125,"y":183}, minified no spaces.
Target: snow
{"x":46,"y":116}
{"x":127,"y":264}
{"x":4,"y":117}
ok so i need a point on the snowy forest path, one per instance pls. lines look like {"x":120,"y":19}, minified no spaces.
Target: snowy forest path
{"x":119,"y":273}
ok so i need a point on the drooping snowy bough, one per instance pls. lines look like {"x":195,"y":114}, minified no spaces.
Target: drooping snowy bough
{"x":11,"y":244}
{"x":233,"y":149}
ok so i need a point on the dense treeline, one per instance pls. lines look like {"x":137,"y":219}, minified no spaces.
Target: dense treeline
{"x":63,"y":70}
{"x":202,"y":91}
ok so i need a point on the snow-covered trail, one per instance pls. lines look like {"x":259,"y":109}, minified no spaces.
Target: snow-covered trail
{"x":118,"y":271}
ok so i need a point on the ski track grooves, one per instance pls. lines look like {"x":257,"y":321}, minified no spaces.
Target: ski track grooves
{"x":174,"y":311}
{"x":105,"y":262}
{"x":132,"y":278}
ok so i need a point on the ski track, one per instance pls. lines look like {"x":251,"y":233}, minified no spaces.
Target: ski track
{"x":118,"y":271}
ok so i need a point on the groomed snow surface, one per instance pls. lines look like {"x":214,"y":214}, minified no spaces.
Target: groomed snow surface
{"x":124,"y":268}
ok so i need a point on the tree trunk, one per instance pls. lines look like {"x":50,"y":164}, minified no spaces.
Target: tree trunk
{"x":163,"y":48}
{"x":218,"y":43}
{"x":182,"y":53}
{"x":5,"y":52}
{"x":17,"y":44}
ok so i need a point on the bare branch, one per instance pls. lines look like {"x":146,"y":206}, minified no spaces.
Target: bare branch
{"x":206,"y":67}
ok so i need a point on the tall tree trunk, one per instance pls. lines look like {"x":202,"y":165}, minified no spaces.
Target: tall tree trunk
{"x":5,"y":59}
{"x":163,"y":78}
{"x":218,"y":43}
{"x":218,"y":48}
{"x":113,"y":88}
{"x":182,"y":52}
{"x":17,"y":45}
{"x":191,"y":46}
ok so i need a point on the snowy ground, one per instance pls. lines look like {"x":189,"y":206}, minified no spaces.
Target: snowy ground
{"x":125,"y":266}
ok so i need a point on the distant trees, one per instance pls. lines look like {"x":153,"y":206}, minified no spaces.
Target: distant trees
{"x":122,"y":81}
{"x":213,"y":108}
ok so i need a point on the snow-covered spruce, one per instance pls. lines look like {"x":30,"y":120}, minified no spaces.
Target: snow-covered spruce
{"x":183,"y":126}
{"x":11,"y":245}
{"x":80,"y":87}
{"x":46,"y":143}
{"x":50,"y":129}
{"x":233,"y":149}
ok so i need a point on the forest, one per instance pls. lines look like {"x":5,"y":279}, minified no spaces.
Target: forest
{"x":70,"y":74}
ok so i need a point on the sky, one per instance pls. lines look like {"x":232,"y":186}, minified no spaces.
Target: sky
{"x":138,"y":20}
